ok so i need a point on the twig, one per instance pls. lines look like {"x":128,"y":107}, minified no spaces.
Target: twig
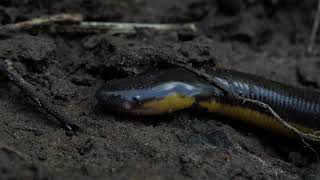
{"x":30,"y":24}
{"x":65,"y":119}
{"x":9,"y":149}
{"x":87,"y":27}
{"x":314,"y":30}
{"x":74,"y":24}
{"x":312,"y":137}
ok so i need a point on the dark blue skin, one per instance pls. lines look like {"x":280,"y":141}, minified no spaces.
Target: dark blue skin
{"x":127,"y":95}
{"x":296,"y":105}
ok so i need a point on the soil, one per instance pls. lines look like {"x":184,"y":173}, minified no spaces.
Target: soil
{"x":266,"y":38}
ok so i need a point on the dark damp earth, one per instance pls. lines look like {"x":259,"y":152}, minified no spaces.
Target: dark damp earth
{"x":266,"y":38}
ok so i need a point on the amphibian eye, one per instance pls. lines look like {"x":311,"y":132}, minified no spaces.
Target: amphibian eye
{"x":176,"y":89}
{"x":137,"y":98}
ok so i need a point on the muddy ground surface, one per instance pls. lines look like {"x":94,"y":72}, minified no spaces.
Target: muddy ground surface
{"x":266,"y":38}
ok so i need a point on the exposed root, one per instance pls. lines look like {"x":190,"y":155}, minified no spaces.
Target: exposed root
{"x":274,"y":170}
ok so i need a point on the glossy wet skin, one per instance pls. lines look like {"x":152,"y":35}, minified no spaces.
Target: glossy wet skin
{"x":170,"y":90}
{"x":154,"y":93}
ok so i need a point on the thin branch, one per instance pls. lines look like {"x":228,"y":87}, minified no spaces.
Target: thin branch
{"x":312,"y":137}
{"x":74,"y":24}
{"x":37,"y":96}
{"x":11,"y":150}
{"x":314,"y":30}
{"x":87,"y":27}
{"x":36,"y":22}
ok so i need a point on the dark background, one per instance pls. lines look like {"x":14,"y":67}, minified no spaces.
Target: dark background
{"x":267,"y":38}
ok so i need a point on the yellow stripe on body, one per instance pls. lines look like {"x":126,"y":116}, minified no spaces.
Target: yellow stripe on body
{"x":170,"y":103}
{"x":253,"y":117}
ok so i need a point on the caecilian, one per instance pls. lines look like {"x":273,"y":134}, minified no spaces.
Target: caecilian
{"x":175,"y":89}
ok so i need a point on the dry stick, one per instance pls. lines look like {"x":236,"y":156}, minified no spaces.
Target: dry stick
{"x":312,"y":137}
{"x":74,"y":24}
{"x":86,"y":27}
{"x":43,"y":101}
{"x":314,"y":30}
{"x":9,"y":149}
{"x":54,"y":19}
